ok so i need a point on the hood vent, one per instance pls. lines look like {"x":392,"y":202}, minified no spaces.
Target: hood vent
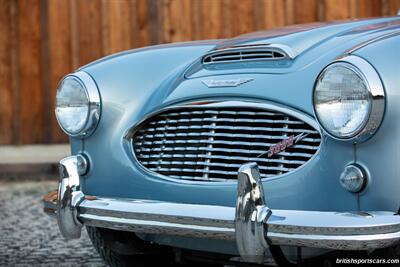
{"x":248,"y":53}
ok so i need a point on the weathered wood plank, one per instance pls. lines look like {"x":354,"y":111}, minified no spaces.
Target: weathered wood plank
{"x":306,"y":11}
{"x":31,"y":93}
{"x":155,"y":18}
{"x":176,"y":20}
{"x":227,"y":14}
{"x":274,"y":13}
{"x":243,"y":17}
{"x":74,"y":26}
{"x":211,"y":22}
{"x":290,"y":12}
{"x":337,"y":9}
{"x":365,"y":8}
{"x":45,"y":70}
{"x":60,"y":59}
{"x":90,"y":35}
{"x":117,"y":15}
{"x":6,"y":93}
{"x":140,"y":23}
{"x":15,"y":77}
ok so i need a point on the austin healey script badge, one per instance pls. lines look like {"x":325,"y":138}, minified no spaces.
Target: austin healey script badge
{"x":282,"y":145}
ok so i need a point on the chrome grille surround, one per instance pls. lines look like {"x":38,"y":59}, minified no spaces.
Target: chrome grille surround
{"x":209,"y":141}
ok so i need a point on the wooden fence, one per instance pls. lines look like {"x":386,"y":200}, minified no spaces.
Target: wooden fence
{"x":42,"y":40}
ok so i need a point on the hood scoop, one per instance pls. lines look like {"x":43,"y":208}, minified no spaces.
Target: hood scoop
{"x":252,"y":53}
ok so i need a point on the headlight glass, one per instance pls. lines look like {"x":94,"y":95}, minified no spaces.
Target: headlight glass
{"x":342,"y":100}
{"x":72,"y":105}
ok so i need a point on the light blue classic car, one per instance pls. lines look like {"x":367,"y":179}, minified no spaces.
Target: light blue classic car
{"x":278,"y":144}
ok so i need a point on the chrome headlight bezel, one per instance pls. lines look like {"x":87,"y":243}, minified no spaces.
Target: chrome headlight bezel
{"x":374,"y":85}
{"x":94,"y":104}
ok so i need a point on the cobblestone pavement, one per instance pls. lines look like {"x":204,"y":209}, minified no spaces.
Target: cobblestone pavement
{"x":28,"y":237}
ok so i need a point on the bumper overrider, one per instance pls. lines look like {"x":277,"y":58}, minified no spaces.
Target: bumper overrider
{"x":252,"y":223}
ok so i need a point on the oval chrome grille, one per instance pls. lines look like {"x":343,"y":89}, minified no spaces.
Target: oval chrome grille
{"x":211,"y":142}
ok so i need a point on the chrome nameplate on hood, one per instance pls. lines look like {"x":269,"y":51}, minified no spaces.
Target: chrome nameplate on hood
{"x":226,"y":83}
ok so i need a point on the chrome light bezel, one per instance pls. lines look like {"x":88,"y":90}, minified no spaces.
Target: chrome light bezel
{"x":94,"y":102}
{"x":361,"y":178}
{"x":374,"y":85}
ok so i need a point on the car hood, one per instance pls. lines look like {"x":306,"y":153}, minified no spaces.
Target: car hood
{"x":305,"y":36}
{"x":307,"y":44}
{"x":137,"y":82}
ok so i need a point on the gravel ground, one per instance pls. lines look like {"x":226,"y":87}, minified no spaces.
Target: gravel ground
{"x":28,"y":237}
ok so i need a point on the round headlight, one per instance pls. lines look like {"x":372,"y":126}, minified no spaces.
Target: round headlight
{"x":349,"y":99}
{"x":77,"y":104}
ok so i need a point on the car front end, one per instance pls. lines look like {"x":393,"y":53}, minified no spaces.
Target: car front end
{"x":239,"y":146}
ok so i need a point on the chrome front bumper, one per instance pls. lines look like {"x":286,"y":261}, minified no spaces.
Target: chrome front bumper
{"x":252,"y":224}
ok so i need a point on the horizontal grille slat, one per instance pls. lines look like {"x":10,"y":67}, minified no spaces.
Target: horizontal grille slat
{"x":235,"y":135}
{"x":225,"y":158}
{"x":200,"y":178}
{"x":210,"y":143}
{"x":238,"y":151}
{"x":190,"y":170}
{"x":220,"y":112}
{"x":230,"y":165}
{"x":163,"y":122}
{"x":228,"y":128}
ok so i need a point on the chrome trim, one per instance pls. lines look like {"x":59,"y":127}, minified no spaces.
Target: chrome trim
{"x":330,"y":230}
{"x":227,"y":103}
{"x":173,"y":128}
{"x":252,"y":224}
{"x":291,"y":53}
{"x":361,"y":174}
{"x":371,"y":41}
{"x":146,"y":216}
{"x":251,"y":215}
{"x":82,"y":164}
{"x":239,"y":143}
{"x":69,"y":197}
{"x":238,"y":135}
{"x":93,"y":96}
{"x":286,"y":51}
{"x":226,"y":119}
{"x":224,"y":103}
{"x":210,"y":83}
{"x":377,"y":95}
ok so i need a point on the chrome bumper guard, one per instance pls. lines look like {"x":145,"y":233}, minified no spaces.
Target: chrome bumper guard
{"x":252,"y":224}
